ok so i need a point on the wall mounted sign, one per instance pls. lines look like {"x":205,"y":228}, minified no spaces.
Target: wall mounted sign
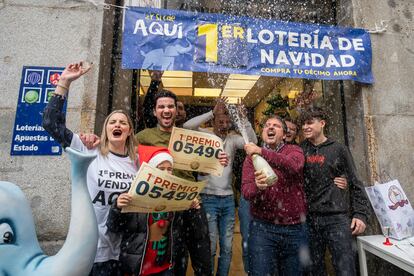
{"x":36,"y":87}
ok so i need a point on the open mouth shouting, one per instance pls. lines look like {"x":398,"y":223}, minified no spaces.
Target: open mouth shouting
{"x":271,"y":133}
{"x":117,"y":133}
{"x":167,"y":119}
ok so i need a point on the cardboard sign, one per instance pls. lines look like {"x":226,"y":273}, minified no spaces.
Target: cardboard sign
{"x":154,"y":190}
{"x":196,"y":151}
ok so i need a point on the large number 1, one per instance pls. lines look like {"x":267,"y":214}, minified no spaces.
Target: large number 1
{"x":211,"y":33}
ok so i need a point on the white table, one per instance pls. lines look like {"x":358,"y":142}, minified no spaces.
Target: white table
{"x":392,"y":254}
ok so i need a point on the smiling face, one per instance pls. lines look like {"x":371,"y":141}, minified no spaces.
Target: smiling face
{"x":273,"y":133}
{"x":313,"y":129}
{"x":165,"y":111}
{"x":292,"y":131}
{"x":118,"y":128}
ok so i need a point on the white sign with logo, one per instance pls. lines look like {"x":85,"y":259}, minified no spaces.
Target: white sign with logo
{"x":393,"y":209}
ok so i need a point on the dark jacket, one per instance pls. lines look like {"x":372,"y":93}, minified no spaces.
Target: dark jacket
{"x":135,"y":233}
{"x":323,"y":163}
{"x":283,"y":202}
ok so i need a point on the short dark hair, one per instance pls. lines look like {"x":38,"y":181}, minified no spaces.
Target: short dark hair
{"x":313,"y":113}
{"x":163,"y":93}
{"x":277,"y":117}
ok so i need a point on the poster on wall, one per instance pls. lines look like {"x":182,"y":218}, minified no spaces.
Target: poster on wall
{"x":160,"y":39}
{"x":36,"y":88}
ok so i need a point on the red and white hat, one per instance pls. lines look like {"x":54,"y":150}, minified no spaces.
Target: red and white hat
{"x":153,"y":155}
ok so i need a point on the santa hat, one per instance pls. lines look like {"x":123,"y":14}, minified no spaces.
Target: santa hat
{"x":153,"y":155}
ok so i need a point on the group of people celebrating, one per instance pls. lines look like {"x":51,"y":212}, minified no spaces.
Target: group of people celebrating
{"x":318,"y":202}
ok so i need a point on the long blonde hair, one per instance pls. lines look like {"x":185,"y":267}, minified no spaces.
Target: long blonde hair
{"x":129,"y":143}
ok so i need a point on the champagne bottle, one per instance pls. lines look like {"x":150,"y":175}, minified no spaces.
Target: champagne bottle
{"x":260,"y":164}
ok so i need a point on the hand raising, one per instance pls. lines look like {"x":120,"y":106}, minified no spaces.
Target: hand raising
{"x":73,"y":71}
{"x":156,"y":75}
{"x":220,"y":107}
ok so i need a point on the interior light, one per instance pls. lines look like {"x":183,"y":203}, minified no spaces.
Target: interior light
{"x":240,"y":84}
{"x":207,"y":92}
{"x":235,"y":92}
{"x":177,"y":82}
{"x":178,"y":74}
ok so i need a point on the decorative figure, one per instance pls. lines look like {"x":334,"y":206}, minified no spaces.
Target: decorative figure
{"x":20,"y":253}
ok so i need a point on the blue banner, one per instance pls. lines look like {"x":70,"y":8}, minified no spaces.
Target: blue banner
{"x":36,"y":88}
{"x":160,"y":39}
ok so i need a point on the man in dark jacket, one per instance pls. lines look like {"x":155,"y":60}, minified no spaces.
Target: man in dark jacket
{"x":335,"y":214}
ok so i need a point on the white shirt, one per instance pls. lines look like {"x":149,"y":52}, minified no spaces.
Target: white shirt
{"x":221,"y":185}
{"x":107,"y":177}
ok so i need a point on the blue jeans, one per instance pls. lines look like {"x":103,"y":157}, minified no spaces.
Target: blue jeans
{"x":244,"y":217}
{"x":277,"y":249}
{"x":220,"y":212}
{"x":334,"y":232}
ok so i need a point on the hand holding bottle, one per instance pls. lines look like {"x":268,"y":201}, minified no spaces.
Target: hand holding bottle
{"x":260,"y":179}
{"x":251,"y":149}
{"x":260,"y":164}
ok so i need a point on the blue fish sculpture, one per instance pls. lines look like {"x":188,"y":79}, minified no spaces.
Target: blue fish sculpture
{"x":20,"y":253}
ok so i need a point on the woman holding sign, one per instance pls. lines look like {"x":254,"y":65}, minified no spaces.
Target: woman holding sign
{"x":147,"y":238}
{"x":109,"y":174}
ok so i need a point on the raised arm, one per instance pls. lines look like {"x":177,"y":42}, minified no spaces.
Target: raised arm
{"x":196,"y":122}
{"x":149,"y":119}
{"x":53,"y":118}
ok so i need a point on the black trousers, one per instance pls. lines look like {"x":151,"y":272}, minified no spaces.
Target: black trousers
{"x":108,"y":268}
{"x":193,"y":239}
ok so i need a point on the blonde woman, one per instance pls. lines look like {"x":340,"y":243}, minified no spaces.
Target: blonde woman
{"x":110,"y":174}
